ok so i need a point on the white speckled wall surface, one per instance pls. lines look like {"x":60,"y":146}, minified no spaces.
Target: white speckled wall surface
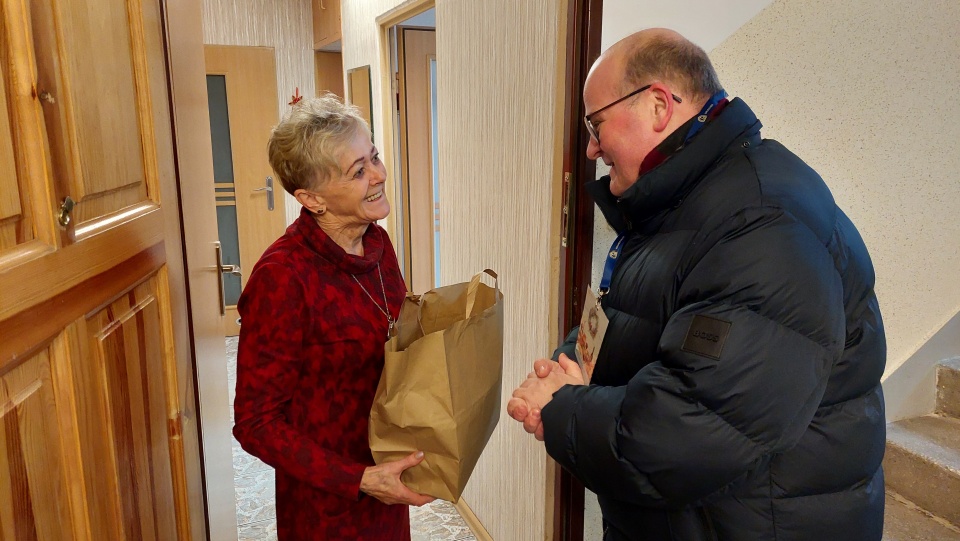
{"x":865,"y":91}
{"x":497,"y":97}
{"x":285,"y":25}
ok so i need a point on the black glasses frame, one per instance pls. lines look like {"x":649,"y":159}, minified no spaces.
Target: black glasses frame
{"x":593,"y":129}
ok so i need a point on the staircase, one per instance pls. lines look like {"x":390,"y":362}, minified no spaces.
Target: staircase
{"x":922,"y":468}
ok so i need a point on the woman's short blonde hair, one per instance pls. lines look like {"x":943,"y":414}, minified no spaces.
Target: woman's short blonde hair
{"x":305,"y":145}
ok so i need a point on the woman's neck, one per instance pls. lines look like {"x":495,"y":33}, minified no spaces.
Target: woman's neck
{"x":349,"y":237}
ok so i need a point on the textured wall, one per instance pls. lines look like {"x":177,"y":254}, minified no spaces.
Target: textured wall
{"x":285,"y":25}
{"x":496,"y":91}
{"x":865,"y":92}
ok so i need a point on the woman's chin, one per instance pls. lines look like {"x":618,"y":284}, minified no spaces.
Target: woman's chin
{"x":380,"y":211}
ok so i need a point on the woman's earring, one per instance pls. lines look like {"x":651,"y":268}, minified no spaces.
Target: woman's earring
{"x":320,"y":211}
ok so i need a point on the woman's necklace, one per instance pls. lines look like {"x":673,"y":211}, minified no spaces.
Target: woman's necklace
{"x":386,"y":312}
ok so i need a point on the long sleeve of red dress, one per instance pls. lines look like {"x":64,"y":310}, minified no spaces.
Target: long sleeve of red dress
{"x":310,"y":358}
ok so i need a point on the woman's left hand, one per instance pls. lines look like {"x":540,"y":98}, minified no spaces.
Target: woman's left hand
{"x":383,"y":482}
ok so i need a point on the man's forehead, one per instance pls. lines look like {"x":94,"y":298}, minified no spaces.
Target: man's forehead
{"x":602,"y":77}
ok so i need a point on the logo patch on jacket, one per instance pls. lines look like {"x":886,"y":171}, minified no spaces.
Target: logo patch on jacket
{"x":706,"y":336}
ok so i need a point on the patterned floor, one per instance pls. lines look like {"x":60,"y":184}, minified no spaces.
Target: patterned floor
{"x":256,"y":514}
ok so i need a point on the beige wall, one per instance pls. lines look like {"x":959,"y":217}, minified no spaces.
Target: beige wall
{"x":285,"y":25}
{"x":498,"y":198}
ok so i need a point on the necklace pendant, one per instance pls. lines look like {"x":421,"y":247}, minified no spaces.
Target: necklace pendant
{"x":390,"y":323}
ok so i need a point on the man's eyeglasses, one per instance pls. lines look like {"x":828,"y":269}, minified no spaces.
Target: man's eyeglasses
{"x":593,"y":129}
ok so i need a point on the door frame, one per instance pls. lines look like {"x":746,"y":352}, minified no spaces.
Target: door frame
{"x":388,"y":105}
{"x":584,"y":19}
{"x":208,"y":446}
{"x":404,"y":161}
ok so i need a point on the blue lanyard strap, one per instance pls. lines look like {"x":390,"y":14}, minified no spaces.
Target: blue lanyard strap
{"x":611,"y":263}
{"x":701,"y":119}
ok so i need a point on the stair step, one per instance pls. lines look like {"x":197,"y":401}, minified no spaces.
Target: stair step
{"x":903,"y":521}
{"x":922,"y":463}
{"x":948,"y":387}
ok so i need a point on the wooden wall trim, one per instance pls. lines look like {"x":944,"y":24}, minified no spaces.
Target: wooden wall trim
{"x":472,"y":521}
{"x":30,"y":330}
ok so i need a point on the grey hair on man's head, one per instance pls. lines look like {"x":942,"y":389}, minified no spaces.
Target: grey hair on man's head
{"x":305,"y":145}
{"x":672,"y":60}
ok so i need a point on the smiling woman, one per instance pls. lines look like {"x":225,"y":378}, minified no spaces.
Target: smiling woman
{"x":316,"y":310}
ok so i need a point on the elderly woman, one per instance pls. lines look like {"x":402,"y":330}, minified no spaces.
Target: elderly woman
{"x":316,"y":312}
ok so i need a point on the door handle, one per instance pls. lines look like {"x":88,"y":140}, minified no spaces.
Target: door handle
{"x":269,"y":189}
{"x":221,"y":270}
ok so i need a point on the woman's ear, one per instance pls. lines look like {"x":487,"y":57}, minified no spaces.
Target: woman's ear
{"x":312,"y":201}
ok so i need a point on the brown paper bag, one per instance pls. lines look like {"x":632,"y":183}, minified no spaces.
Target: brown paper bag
{"x":440,"y":388}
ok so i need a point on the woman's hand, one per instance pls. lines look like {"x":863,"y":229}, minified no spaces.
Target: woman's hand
{"x":383,"y":482}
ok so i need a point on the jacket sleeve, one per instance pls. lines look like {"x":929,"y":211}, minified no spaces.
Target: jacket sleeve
{"x":699,"y":417}
{"x":268,"y":366}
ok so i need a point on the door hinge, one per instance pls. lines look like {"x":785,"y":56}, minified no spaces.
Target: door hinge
{"x":565,"y":217}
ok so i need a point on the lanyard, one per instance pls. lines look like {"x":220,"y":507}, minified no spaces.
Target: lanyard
{"x":701,"y":119}
{"x":608,"y":267}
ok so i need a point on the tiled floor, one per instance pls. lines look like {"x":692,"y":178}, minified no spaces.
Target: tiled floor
{"x":256,"y":514}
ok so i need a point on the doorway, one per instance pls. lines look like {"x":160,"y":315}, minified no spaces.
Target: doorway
{"x":242,"y":98}
{"x":250,"y":214}
{"x":413,"y":77}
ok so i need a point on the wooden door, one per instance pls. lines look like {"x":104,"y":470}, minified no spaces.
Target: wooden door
{"x":93,"y":381}
{"x":417,"y":49}
{"x":242,"y":91}
{"x":329,"y":73}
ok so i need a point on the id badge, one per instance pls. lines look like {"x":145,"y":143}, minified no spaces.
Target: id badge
{"x":593,"y":325}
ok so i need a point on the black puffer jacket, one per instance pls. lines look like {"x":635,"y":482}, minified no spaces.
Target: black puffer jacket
{"x":737,"y":392}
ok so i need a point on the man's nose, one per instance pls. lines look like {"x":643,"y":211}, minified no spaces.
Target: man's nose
{"x":593,"y":149}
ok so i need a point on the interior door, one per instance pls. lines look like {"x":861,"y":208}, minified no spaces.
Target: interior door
{"x":417,"y":50}
{"x":242,"y":93}
{"x":92,"y":378}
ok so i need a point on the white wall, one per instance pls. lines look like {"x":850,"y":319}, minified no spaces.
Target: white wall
{"x":705,"y":22}
{"x":863,"y":91}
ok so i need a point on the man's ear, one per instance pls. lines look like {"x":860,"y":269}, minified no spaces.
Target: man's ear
{"x":312,"y":201}
{"x":662,"y":106}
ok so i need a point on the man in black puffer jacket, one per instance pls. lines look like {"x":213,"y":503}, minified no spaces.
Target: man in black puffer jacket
{"x":736,"y":395}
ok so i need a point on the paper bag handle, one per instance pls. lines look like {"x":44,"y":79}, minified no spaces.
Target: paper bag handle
{"x":475,"y":286}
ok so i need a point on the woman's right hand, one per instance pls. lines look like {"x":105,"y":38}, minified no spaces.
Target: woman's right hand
{"x":383,"y":482}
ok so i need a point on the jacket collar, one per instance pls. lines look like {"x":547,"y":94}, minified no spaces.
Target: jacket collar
{"x":318,"y":242}
{"x":665,"y":185}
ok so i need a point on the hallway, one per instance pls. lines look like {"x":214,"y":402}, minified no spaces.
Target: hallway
{"x":254,"y":483}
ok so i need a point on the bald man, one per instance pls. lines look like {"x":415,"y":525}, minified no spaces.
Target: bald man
{"x":736,"y":393}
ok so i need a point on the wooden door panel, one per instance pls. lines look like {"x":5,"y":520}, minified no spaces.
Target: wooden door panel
{"x":33,"y":493}
{"x":126,"y":348}
{"x":11,"y":213}
{"x":100,"y":126}
{"x":9,"y":191}
{"x":24,"y":177}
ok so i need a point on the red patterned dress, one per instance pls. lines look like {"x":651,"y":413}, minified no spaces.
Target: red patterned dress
{"x":310,"y":358}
